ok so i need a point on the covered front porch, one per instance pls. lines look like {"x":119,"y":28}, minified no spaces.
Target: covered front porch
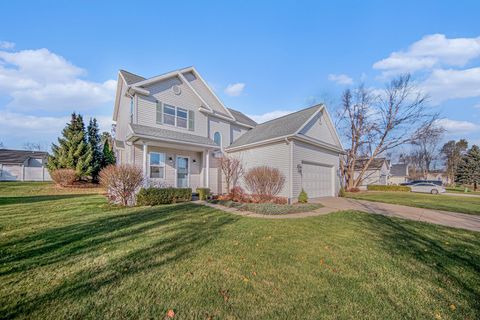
{"x":178,"y":165}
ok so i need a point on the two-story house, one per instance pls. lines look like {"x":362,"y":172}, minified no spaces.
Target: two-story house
{"x":176,"y":128}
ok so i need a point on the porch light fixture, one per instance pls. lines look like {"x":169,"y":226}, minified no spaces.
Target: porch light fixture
{"x":170,"y":159}
{"x":194,"y":160}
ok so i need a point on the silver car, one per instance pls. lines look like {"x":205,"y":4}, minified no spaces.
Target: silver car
{"x":426,"y":187}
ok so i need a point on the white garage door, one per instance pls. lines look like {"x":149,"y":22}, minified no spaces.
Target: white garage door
{"x":317,"y":180}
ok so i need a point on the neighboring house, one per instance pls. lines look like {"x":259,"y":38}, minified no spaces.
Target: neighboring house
{"x":398,"y":174}
{"x":377,"y":172}
{"x":22,"y":165}
{"x":438,"y":175}
{"x":176,"y":129}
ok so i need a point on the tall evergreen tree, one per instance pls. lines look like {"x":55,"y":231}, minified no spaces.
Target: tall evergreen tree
{"x":72,"y":151}
{"x":468,"y":170}
{"x":108,"y":155}
{"x":452,"y":152}
{"x":93,"y":140}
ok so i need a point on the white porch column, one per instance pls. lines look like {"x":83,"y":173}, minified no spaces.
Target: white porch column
{"x":207,"y":169}
{"x":145,"y":154}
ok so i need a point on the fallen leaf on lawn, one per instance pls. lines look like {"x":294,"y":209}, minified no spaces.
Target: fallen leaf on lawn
{"x":170,"y":314}
{"x":321,"y":261}
{"x":438,"y":316}
{"x":453,"y":307}
{"x":245,"y":279}
{"x":224,"y":294}
{"x":254,"y":273}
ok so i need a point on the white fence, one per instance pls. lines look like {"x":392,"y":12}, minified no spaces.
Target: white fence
{"x":23,"y":173}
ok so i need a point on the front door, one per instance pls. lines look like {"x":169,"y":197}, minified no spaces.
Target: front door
{"x":182,"y":172}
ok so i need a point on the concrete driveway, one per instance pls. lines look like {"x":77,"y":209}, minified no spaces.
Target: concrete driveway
{"x":444,"y":218}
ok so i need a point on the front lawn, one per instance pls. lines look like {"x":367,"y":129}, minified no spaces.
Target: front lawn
{"x":469,"y":205}
{"x":269,"y":208}
{"x":462,"y":190}
{"x":73,"y":256}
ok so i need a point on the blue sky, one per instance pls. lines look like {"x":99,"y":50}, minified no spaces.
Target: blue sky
{"x":264,"y":59}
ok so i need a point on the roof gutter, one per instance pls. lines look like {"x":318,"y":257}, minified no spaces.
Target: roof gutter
{"x":134,"y":137}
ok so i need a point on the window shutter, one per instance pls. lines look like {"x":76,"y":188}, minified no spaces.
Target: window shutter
{"x":159,"y":110}
{"x":191,"y":120}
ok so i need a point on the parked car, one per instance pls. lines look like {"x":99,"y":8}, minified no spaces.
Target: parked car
{"x":427,"y":187}
{"x":436,"y":182}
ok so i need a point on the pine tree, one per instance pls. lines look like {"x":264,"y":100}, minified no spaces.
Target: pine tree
{"x":94,"y":146}
{"x":468,"y":170}
{"x":108,"y":155}
{"x":72,"y":151}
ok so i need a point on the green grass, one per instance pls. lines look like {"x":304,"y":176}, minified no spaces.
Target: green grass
{"x":461,"y":190}
{"x":269,"y":208}
{"x":470,"y":205}
{"x":73,"y":256}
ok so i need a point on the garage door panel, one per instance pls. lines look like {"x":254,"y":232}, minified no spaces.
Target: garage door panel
{"x":317,"y":180}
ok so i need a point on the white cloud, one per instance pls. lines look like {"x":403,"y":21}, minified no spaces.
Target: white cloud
{"x":40,"y":79}
{"x":23,"y":128}
{"x":431,"y":51}
{"x":477,"y":106}
{"x":341,"y":79}
{"x":7,"y":45}
{"x":457,"y":126}
{"x":442,"y":85}
{"x":235,"y":89}
{"x":260,"y":118}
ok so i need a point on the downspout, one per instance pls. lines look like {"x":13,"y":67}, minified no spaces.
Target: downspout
{"x":290,"y":171}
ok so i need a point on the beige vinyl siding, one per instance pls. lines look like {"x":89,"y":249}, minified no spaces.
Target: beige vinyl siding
{"x":223,"y":127}
{"x":319,"y":128}
{"x":306,"y":152}
{"x":275,"y":155}
{"x":235,"y":132}
{"x":206,"y":95}
{"x":170,"y":172}
{"x":123,"y":118}
{"x":162,"y":92}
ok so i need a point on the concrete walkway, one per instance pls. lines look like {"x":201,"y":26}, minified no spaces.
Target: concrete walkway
{"x":444,"y":218}
{"x":333,"y":204}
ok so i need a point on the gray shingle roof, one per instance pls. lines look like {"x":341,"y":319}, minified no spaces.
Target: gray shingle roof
{"x":242,"y":118}
{"x":160,"y":133}
{"x":376,"y":163}
{"x":283,"y":126}
{"x":131,"y":77}
{"x":399,"y":170}
{"x":19,"y":156}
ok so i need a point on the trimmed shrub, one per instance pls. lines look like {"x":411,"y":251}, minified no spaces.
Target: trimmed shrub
{"x":353,"y":189}
{"x":156,"y":196}
{"x":341,"y":192}
{"x":261,"y":198}
{"x":264,"y":180}
{"x":121,"y":183}
{"x":388,"y":188}
{"x":303,"y":197}
{"x":238,"y":194}
{"x":63,"y":177}
{"x":203,"y":193}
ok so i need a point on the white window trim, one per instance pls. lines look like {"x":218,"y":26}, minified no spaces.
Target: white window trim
{"x":157,"y":165}
{"x":175,"y":116}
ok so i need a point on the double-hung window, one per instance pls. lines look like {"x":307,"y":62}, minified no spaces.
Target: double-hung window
{"x":169,"y":114}
{"x":182,"y":118}
{"x":157,"y":165}
{"x":178,"y":117}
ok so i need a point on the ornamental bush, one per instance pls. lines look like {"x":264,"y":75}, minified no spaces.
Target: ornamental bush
{"x":203,"y":193}
{"x":264,"y":180}
{"x":63,"y":177}
{"x":388,"y":188}
{"x":157,"y":196}
{"x":121,"y":182}
{"x":303,"y":197}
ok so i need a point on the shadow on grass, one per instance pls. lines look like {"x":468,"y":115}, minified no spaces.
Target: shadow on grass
{"x":167,"y":235}
{"x":453,"y":259}
{"x":34,"y":199}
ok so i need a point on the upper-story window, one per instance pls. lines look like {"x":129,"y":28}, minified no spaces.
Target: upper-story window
{"x":217,"y":138}
{"x":176,"y":116}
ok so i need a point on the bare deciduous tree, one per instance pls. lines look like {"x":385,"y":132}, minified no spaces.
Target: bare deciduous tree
{"x":426,"y":145}
{"x":264,"y":180}
{"x":376,"y":123}
{"x":32,"y":146}
{"x":232,"y":169}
